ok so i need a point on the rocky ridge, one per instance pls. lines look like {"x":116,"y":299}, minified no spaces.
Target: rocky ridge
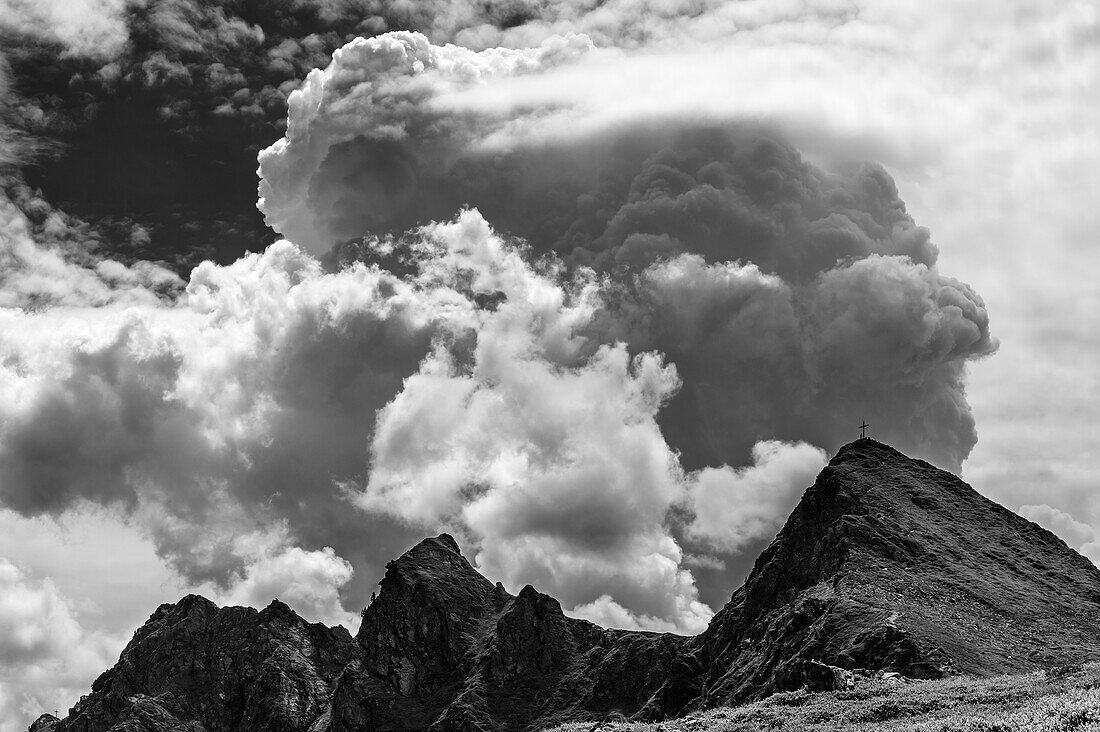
{"x":886,"y":564}
{"x":889,"y":563}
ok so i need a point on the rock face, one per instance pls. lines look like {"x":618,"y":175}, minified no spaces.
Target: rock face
{"x":226,"y":669}
{"x":886,"y":564}
{"x":442,"y":647}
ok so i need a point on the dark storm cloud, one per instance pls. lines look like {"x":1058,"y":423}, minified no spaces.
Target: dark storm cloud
{"x":84,"y":433}
{"x":721,"y":191}
{"x":880,"y":338}
{"x":626,"y":199}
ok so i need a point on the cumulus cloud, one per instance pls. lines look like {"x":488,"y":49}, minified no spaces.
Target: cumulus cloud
{"x":307,"y":581}
{"x":538,"y":445}
{"x":817,"y":253}
{"x":228,"y":425}
{"x":610,"y":614}
{"x":363,"y":119}
{"x":46,"y":656}
{"x":34,"y":276}
{"x":880,"y":338}
{"x":734,"y":506}
{"x":194,"y":414}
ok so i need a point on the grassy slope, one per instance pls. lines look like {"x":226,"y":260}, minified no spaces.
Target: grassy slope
{"x":1039,"y":702}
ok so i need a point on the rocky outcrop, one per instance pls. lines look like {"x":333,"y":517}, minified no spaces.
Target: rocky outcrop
{"x":445,"y":649}
{"x":887,"y":565}
{"x":227,"y":668}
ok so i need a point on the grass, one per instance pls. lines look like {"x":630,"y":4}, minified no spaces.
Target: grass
{"x":1061,"y":700}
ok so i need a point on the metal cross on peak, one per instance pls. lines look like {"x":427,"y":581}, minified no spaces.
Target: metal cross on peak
{"x":863,"y":430}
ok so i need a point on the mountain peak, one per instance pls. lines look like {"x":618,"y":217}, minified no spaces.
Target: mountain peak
{"x":890,"y":563}
{"x":867,"y":446}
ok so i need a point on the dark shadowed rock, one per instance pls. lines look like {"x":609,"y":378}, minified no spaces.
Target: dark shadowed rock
{"x":887,"y":565}
{"x":231,"y":668}
{"x":445,"y":649}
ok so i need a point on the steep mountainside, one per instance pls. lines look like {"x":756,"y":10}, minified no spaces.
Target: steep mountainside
{"x":891,"y":563}
{"x":887,"y":563}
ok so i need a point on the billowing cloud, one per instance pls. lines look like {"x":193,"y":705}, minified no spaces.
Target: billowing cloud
{"x":855,"y":321}
{"x":880,"y":338}
{"x":392,"y":133}
{"x":733,"y":507}
{"x":215,"y":421}
{"x":364,"y":148}
{"x":46,"y":656}
{"x":307,"y":581}
{"x":539,"y":445}
{"x":209,"y":416}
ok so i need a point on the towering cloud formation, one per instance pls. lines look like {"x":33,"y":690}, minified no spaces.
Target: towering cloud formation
{"x":840,"y":316}
{"x":580,"y":403}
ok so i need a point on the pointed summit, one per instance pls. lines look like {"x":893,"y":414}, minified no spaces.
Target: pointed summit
{"x":890,"y":563}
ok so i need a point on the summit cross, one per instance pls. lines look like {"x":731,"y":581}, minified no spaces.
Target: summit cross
{"x":863,"y":430}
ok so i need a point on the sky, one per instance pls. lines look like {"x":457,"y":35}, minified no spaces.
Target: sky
{"x":595,"y":287}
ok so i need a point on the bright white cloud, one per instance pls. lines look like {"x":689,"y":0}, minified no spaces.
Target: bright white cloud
{"x":537,"y":445}
{"x":158,"y":406}
{"x":33,"y":276}
{"x":47,"y":658}
{"x":364,"y":117}
{"x":307,"y":581}
{"x":735,"y":506}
